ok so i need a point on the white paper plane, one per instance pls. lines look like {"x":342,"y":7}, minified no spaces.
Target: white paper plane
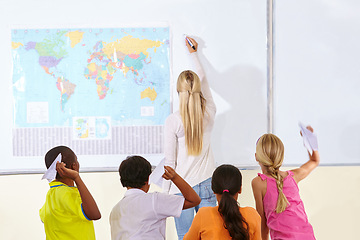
{"x":50,"y":174}
{"x":156,"y":175}
{"x":309,"y":138}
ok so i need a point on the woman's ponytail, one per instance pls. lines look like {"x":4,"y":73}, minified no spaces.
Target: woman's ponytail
{"x":227,"y":181}
{"x":192,"y":110}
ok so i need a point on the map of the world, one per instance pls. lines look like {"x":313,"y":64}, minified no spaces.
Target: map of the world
{"x":110,"y":77}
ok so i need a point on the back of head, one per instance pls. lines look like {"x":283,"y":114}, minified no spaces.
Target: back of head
{"x":67,"y":156}
{"x":227,"y":181}
{"x":270,"y":153}
{"x":134,"y":172}
{"x":192,"y":109}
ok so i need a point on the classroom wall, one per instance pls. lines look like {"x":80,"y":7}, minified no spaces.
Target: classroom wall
{"x":330,"y":195}
{"x":232,"y":50}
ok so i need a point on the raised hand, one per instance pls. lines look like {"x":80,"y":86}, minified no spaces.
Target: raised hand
{"x":65,"y":172}
{"x":192,"y":199}
{"x":170,"y":173}
{"x":191,"y":50}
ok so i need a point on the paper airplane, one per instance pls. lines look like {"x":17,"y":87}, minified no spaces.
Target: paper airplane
{"x":309,"y":138}
{"x":156,"y":175}
{"x":50,"y":174}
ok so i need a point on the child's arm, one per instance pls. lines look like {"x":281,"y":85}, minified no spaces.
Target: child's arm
{"x":259,"y":190}
{"x":191,"y":197}
{"x":311,"y":164}
{"x":88,"y":203}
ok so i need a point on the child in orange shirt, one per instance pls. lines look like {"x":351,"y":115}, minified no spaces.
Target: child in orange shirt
{"x":228,"y":220}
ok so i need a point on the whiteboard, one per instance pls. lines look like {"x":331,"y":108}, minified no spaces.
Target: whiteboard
{"x":317,"y":78}
{"x":232,"y":39}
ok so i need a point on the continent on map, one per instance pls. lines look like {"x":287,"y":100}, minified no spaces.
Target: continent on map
{"x":51,"y":52}
{"x":130,"y":45}
{"x":66,"y":89}
{"x":15,"y":45}
{"x":127,"y":53}
{"x":101,"y":70}
{"x":93,"y":80}
{"x":134,"y":62}
{"x":75,"y":37}
{"x":149,"y":93}
{"x":47,"y":58}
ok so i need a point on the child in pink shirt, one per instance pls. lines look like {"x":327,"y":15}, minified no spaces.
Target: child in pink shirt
{"x":277,"y":194}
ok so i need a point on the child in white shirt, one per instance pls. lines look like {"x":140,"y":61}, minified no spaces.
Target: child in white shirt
{"x":142,"y":215}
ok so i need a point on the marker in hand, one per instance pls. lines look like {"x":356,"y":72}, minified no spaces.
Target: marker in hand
{"x":190,"y":43}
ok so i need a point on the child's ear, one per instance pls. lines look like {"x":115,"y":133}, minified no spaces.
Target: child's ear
{"x":240,"y":190}
{"x":146,"y":187}
{"x":73,"y":166}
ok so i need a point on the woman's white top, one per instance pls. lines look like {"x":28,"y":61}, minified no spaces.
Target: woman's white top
{"x":194,"y":169}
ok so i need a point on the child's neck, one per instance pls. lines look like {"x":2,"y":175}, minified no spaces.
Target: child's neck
{"x":267,"y":173}
{"x":264,"y":170}
{"x":145,"y":188}
{"x":218,"y":197}
{"x":67,"y":181}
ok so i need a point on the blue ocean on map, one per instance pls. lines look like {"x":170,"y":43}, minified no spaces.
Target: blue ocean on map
{"x":91,"y":72}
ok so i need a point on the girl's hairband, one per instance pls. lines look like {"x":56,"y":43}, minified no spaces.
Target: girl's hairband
{"x":225,"y":190}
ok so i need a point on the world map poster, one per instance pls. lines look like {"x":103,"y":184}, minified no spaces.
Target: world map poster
{"x":99,"y":91}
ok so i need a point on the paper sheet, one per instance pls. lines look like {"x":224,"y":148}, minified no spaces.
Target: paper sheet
{"x":156,"y":176}
{"x":309,"y":138}
{"x":50,"y":174}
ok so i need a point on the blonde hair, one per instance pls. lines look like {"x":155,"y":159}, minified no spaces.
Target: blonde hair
{"x":270,"y":153}
{"x":192,"y":109}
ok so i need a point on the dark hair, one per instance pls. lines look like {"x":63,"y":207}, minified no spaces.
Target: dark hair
{"x":227,"y":181}
{"x":67,"y":156}
{"x":134,"y":171}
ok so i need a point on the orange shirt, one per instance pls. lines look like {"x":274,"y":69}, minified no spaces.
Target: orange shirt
{"x":208,"y":224}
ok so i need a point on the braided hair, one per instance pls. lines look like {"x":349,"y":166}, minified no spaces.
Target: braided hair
{"x":270,"y":153}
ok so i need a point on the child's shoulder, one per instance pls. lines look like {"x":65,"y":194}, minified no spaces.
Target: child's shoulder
{"x":208,"y":211}
{"x":259,"y":185}
{"x":251,"y":216}
{"x":209,"y":208}
{"x":63,"y":192}
{"x":262,"y":176}
{"x":164,"y":196}
{"x":249,"y":211}
{"x":259,"y":180}
{"x":62,"y":187}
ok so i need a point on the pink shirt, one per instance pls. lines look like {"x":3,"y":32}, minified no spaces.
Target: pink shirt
{"x":293,"y":222}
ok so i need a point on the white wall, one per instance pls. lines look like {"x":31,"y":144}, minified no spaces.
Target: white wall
{"x":331,"y":196}
{"x":317,"y":77}
{"x":232,"y":48}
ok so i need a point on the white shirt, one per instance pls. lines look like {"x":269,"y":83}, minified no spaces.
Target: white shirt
{"x":142,"y":216}
{"x":194,"y":169}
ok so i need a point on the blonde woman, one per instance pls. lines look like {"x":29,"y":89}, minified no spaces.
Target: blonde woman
{"x":187,"y":138}
{"x":277,"y":194}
